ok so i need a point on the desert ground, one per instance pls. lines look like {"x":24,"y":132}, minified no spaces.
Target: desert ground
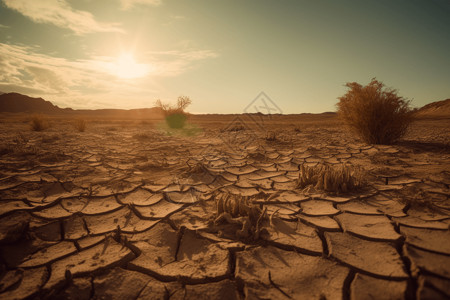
{"x":129,"y":209}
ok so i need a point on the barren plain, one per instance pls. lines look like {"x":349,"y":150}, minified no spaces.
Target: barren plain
{"x":127,"y":210}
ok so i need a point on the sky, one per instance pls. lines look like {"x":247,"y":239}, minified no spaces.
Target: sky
{"x":90,"y":54}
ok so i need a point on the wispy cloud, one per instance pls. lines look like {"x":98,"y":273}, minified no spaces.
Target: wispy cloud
{"x":127,"y":4}
{"x":90,"y":82}
{"x":176,"y":62}
{"x":3,"y":26}
{"x":61,"y":14}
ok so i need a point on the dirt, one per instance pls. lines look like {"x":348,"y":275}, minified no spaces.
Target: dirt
{"x":127,"y":210}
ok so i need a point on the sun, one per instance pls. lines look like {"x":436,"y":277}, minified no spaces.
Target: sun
{"x":126,"y":67}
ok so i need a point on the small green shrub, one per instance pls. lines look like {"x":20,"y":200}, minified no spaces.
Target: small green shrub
{"x":375,"y":112}
{"x":175,"y":115}
{"x":39,"y":123}
{"x":333,"y":179}
{"x":176,"y":120}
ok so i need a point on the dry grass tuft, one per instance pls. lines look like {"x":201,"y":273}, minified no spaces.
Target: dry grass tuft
{"x":271,"y":136}
{"x":240,"y":210}
{"x":175,"y":115}
{"x":375,"y":112}
{"x":80,"y":125}
{"x":419,"y":198}
{"x":332,"y":179}
{"x":39,"y":123}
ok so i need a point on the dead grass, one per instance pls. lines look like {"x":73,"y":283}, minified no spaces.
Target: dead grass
{"x":271,"y":136}
{"x":19,"y":147}
{"x":375,"y":112}
{"x":233,"y":209}
{"x":418,"y":198}
{"x":39,"y":123}
{"x":80,"y":125}
{"x":339,"y":179}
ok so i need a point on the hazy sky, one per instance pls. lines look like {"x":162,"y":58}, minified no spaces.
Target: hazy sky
{"x":222,"y":53}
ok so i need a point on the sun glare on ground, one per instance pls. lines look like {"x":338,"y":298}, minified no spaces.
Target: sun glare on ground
{"x":126,"y":67}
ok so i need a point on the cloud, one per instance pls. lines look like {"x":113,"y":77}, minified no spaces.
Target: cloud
{"x":3,"y":26}
{"x":176,"y":62}
{"x":127,"y":4}
{"x":24,"y":66}
{"x":75,"y":83}
{"x":59,"y":13}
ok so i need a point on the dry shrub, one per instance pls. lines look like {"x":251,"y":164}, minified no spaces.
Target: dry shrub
{"x":333,"y":179}
{"x":19,"y":147}
{"x":271,"y":136}
{"x":39,"y":123}
{"x":417,"y":197}
{"x":240,"y":210}
{"x":175,"y":115}
{"x":375,"y":112}
{"x":80,"y":125}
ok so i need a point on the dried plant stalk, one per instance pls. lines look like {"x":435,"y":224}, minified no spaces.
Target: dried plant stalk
{"x":333,"y":179}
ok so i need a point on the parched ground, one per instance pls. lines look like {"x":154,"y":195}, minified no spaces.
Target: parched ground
{"x":126,"y":210}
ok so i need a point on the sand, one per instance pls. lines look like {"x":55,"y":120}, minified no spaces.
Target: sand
{"x":125,"y":210}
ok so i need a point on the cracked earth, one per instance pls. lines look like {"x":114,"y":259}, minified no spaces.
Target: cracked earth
{"x":124,"y":212}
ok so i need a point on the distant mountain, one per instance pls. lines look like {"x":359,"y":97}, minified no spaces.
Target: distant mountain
{"x":18,"y":103}
{"x":435,"y":109}
{"x":14,"y":102}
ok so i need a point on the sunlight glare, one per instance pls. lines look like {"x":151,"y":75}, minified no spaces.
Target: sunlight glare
{"x":127,"y":68}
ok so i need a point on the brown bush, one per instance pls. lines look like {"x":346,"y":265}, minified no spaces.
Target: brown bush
{"x":80,"y":125}
{"x":39,"y":123}
{"x":375,"y":112}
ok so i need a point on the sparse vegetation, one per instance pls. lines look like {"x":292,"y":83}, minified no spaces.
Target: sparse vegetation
{"x":175,"y":115}
{"x":375,"y":112}
{"x":240,"y":210}
{"x":39,"y":123}
{"x":271,"y":136}
{"x":80,"y":125}
{"x":332,"y":179}
{"x":419,"y":198}
{"x":19,"y":147}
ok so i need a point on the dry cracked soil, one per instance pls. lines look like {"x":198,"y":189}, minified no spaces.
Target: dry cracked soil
{"x":125,"y":209}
